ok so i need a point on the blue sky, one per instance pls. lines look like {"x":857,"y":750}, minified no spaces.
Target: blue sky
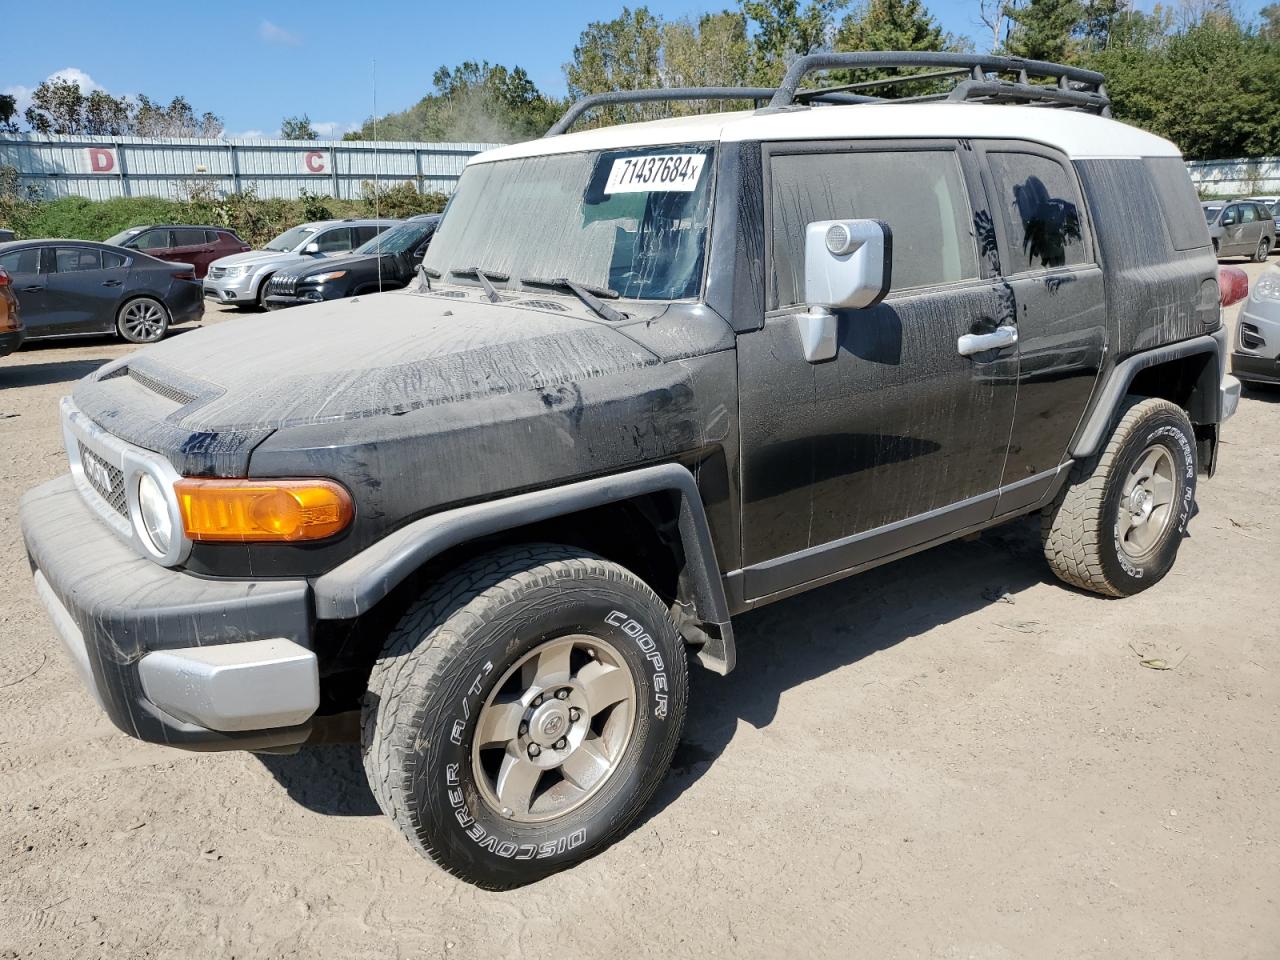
{"x":255,"y":63}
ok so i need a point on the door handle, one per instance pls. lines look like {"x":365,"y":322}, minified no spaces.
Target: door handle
{"x":34,"y":288}
{"x":997,"y":339}
{"x":112,"y":283}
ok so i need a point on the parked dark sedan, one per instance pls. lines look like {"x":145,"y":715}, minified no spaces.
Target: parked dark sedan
{"x":70,"y":288}
{"x":387,"y":262}
{"x":198,"y":246}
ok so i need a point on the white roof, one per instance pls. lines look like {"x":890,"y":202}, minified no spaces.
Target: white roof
{"x":1081,"y":136}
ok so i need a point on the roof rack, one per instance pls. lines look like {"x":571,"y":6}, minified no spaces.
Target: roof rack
{"x":761,"y":95}
{"x":979,"y":79}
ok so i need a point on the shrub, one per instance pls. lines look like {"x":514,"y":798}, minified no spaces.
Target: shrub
{"x":400,"y":200}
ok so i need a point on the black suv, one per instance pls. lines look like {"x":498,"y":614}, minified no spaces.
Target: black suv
{"x":654,"y":376}
{"x":387,"y":262}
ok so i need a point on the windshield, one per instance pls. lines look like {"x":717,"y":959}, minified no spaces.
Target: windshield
{"x":290,"y":239}
{"x":118,"y":238}
{"x":400,"y":239}
{"x":1211,"y":214}
{"x":630,"y":221}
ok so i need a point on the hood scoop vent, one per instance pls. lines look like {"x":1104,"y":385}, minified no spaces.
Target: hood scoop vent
{"x":173,"y":394}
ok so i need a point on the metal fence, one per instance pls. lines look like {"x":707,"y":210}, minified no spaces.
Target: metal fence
{"x":1235,"y":178}
{"x":98,"y":168}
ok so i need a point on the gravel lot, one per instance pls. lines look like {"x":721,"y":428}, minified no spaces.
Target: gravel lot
{"x":900,"y":766}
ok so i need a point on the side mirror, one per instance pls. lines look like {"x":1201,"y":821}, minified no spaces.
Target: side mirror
{"x":1228,"y":219}
{"x":848,"y":265}
{"x":311,"y":247}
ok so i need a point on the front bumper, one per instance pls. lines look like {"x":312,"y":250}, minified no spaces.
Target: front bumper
{"x":172,"y":658}
{"x":277,"y":301}
{"x":231,"y":289}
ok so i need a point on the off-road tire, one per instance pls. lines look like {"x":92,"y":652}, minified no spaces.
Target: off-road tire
{"x":444,"y":658}
{"x":1079,"y":529}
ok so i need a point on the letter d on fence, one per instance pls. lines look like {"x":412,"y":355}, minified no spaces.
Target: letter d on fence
{"x":101,"y":160}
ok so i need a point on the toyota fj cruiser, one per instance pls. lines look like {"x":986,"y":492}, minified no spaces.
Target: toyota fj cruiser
{"x":651,"y":376}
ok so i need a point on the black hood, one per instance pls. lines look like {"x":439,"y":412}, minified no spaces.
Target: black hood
{"x":206,"y":398}
{"x":363,"y":262}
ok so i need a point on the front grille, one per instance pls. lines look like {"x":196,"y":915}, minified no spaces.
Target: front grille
{"x":107,"y":481}
{"x":284,"y":286}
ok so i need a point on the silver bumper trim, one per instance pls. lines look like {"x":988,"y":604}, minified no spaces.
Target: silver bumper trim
{"x":1230,"y":396}
{"x":254,"y":685}
{"x":70,"y":635}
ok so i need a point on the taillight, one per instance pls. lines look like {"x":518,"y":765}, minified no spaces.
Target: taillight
{"x":1233,"y":284}
{"x":4,"y":278}
{"x":184,"y":275}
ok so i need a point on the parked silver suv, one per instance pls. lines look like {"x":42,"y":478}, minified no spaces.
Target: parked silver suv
{"x":242,"y":277}
{"x":1240,"y":228}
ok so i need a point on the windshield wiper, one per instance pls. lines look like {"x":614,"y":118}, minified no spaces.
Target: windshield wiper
{"x":589,"y":295}
{"x":486,"y":278}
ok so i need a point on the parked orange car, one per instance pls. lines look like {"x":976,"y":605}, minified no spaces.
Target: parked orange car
{"x":11,"y":332}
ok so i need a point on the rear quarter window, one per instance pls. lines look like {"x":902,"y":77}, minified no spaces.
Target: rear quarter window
{"x":1178,"y":202}
{"x":1043,"y":217}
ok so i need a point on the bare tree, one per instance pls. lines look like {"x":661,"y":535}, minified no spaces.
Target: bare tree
{"x":994,"y":15}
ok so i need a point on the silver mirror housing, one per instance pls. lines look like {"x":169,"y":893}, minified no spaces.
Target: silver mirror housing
{"x":848,"y":264}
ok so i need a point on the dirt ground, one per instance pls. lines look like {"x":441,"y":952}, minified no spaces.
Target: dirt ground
{"x":903,"y":765}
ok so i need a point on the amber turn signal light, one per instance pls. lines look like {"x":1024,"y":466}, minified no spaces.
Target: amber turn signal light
{"x":262,"y":511}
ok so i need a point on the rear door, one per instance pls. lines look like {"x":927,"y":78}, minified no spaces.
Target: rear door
{"x":191,"y":245}
{"x":82,"y":293}
{"x":1233,"y":239}
{"x":901,"y":438}
{"x":1049,"y":261}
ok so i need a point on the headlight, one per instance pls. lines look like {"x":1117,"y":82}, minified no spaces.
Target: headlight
{"x":262,"y":511}
{"x":1267,"y":287}
{"x":324,"y":277}
{"x":153,"y":508}
{"x":237,"y":271}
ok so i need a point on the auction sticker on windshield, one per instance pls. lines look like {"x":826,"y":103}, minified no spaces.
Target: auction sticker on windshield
{"x":678,"y":172}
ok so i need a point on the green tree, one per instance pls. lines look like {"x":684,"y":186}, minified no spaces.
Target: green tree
{"x":1043,"y":29}
{"x":151,"y":118}
{"x":297,"y":128}
{"x":105,"y":115}
{"x":8,"y":113}
{"x":891,"y":25}
{"x":712,"y":51}
{"x":783,"y":30}
{"x":619,"y":54}
{"x":475,"y":102}
{"x":57,"y":106}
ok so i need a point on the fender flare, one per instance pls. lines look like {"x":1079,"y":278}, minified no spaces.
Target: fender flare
{"x":358,"y":584}
{"x":1095,"y":428}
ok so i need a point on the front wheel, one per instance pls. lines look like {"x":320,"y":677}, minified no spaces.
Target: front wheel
{"x":1116,"y":526}
{"x":523,"y":713}
{"x":144,"y":320}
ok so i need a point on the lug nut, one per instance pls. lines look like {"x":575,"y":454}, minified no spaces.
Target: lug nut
{"x":524,"y":728}
{"x":562,"y":693}
{"x":561,"y":743}
{"x":537,"y":701}
{"x":534,"y":749}
{"x":574,"y":714}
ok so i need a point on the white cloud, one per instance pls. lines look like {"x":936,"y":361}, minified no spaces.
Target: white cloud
{"x":332,"y":130}
{"x":23,"y":94}
{"x":269,"y":32}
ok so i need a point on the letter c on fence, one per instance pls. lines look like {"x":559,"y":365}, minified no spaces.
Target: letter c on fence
{"x":101,"y":160}
{"x":315,"y":161}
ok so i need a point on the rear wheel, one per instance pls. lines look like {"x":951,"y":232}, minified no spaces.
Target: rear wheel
{"x":1116,"y":526}
{"x":523,"y":713}
{"x":144,"y":320}
{"x":1263,"y":251}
